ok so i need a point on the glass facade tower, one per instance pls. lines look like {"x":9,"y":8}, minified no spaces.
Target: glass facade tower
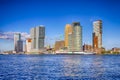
{"x":37,"y":36}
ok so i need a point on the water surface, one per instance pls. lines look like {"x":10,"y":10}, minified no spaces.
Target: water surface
{"x":59,"y":67}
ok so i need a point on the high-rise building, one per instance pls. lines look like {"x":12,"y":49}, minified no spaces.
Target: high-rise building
{"x":75,"y":38}
{"x":38,"y":36}
{"x":97,"y":34}
{"x":19,"y":46}
{"x":68,"y":30}
{"x":33,"y":37}
{"x":70,"y":42}
{"x":17,"y":37}
{"x":18,"y":43}
{"x":28,"y":45}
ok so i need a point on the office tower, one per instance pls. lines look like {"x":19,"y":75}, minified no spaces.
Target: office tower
{"x":77,"y":36}
{"x":17,"y":37}
{"x":18,"y":44}
{"x":33,"y":37}
{"x":97,"y":34}
{"x":59,"y":45}
{"x":28,"y":44}
{"x":38,"y":36}
{"x":68,"y":30}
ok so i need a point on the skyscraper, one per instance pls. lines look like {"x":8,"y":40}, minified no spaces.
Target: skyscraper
{"x":19,"y":46}
{"x":28,"y":45}
{"x":97,"y":34}
{"x":68,"y":30}
{"x":37,"y":36}
{"x":18,"y":43}
{"x":75,"y":38}
{"x":33,"y":37}
{"x":70,"y":42}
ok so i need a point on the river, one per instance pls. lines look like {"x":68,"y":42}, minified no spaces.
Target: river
{"x":59,"y":67}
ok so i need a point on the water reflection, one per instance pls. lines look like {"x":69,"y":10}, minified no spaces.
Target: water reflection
{"x":98,"y":66}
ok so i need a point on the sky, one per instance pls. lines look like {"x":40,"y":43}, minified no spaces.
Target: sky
{"x":22,"y":15}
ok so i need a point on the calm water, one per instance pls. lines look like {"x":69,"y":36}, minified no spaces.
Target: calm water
{"x":59,"y":67}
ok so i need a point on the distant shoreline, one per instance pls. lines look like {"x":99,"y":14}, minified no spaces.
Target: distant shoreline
{"x":61,"y":54}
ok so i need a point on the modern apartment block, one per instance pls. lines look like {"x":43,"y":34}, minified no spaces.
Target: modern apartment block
{"x":97,"y":34}
{"x":75,"y":38}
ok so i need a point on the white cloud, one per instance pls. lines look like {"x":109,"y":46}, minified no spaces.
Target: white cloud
{"x":10,"y":35}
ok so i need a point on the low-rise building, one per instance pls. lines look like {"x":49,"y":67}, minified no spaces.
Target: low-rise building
{"x":59,"y":45}
{"x":87,"y":48}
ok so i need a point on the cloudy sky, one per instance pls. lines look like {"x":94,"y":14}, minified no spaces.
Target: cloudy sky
{"x":22,"y":15}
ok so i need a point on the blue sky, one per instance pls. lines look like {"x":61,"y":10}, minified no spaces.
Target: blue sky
{"x":21,"y":15}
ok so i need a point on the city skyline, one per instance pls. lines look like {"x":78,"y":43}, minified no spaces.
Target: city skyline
{"x":20,"y":18}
